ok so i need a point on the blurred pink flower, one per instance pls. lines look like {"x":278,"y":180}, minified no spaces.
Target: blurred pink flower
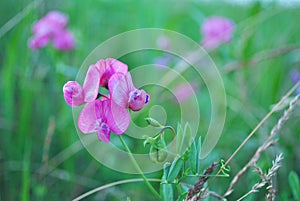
{"x":52,"y":26}
{"x":124,"y":93}
{"x":216,"y":30}
{"x":108,"y":67}
{"x":184,"y":91}
{"x":64,"y":40}
{"x":98,"y":117}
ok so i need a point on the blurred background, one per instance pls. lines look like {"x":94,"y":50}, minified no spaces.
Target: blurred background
{"x":41,"y":157}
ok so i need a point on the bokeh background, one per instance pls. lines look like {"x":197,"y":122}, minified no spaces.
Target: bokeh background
{"x":41,"y":157}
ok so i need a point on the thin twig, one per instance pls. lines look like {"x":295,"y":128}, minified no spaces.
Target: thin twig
{"x":112,"y":184}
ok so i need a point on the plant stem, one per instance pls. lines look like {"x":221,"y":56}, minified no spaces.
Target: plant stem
{"x":137,"y":167}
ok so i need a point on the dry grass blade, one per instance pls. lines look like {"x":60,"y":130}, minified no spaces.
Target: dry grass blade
{"x":266,"y":179}
{"x":268,"y":142}
{"x":284,"y":98}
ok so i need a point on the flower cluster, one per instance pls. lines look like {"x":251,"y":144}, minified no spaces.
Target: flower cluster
{"x":52,"y":27}
{"x":104,"y":113}
{"x":216,"y":30}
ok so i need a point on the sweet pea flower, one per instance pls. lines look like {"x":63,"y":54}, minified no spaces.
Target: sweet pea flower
{"x":216,"y":30}
{"x":124,"y":93}
{"x":108,"y":67}
{"x":76,"y":95}
{"x":102,"y":117}
{"x":52,"y":27}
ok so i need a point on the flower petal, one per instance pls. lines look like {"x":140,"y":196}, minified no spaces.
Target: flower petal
{"x":91,"y":84}
{"x":138,"y":99}
{"x":87,"y":118}
{"x":104,"y":133}
{"x":117,"y":66}
{"x":64,"y":40}
{"x":118,"y":119}
{"x":120,"y":87}
{"x":109,"y":67}
{"x":73,"y":93}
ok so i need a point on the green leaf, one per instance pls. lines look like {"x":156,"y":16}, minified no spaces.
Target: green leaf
{"x":166,"y":192}
{"x":199,"y":148}
{"x":294,"y":185}
{"x":193,"y":157}
{"x":182,"y":196}
{"x":184,"y":138}
{"x":179,"y":139}
{"x":175,"y":169}
{"x":166,"y":171}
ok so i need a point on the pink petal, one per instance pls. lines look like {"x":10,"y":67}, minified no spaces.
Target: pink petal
{"x":117,"y":66}
{"x":37,"y":42}
{"x":138,"y":99}
{"x":120,"y":86}
{"x":73,"y":93}
{"x":87,"y":118}
{"x":104,"y":133}
{"x":91,"y":84}
{"x":108,"y":67}
{"x":56,"y":20}
{"x":118,"y":119}
{"x":64,"y":40}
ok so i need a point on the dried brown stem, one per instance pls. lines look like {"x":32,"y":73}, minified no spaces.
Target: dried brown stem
{"x":198,"y":186}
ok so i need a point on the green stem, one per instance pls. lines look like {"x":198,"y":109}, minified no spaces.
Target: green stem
{"x":137,"y":167}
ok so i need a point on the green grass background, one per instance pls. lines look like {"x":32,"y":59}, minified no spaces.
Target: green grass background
{"x":31,"y":99}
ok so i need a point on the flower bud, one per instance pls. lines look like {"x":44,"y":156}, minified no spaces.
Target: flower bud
{"x":153,"y":122}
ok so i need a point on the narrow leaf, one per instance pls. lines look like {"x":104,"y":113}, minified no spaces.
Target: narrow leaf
{"x":175,"y":169}
{"x":193,"y":157}
{"x":294,"y":185}
{"x":166,"y":192}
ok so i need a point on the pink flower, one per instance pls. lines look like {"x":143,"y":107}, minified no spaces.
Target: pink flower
{"x":108,"y":67}
{"x":52,"y":26}
{"x":76,"y":95}
{"x":124,"y":93}
{"x":64,"y":40}
{"x":216,"y":30}
{"x":110,"y":112}
{"x":102,"y":117}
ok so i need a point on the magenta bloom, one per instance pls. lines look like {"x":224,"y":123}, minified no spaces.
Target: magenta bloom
{"x":110,"y":112}
{"x":98,"y":116}
{"x":76,"y":95}
{"x":216,"y":30}
{"x":52,"y":27}
{"x":124,"y":93}
{"x":108,"y":67}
